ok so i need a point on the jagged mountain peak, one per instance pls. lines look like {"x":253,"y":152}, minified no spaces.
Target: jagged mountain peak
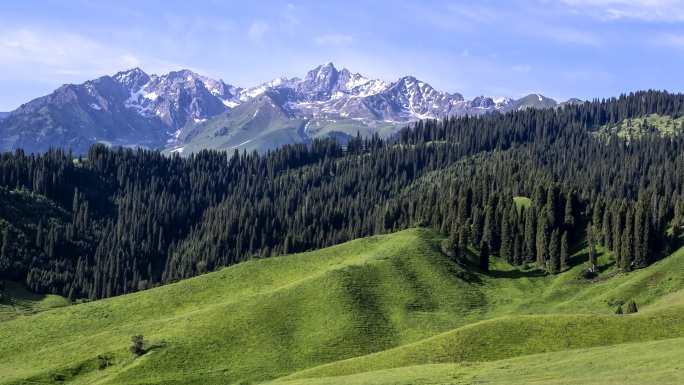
{"x":135,"y":108}
{"x":535,"y":100}
{"x":133,"y":78}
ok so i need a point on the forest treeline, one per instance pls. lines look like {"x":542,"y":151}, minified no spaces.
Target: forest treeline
{"x":120,"y":220}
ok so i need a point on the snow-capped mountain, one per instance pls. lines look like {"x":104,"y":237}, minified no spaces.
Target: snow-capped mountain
{"x":177,"y":98}
{"x":327,"y":91}
{"x":183,"y":111}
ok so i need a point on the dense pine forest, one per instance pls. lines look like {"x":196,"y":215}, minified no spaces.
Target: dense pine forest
{"x":121,"y":220}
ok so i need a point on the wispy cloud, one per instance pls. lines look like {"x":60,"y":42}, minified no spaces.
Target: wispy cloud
{"x":671,"y":40}
{"x":571,"y":35}
{"x":53,"y":55}
{"x":257,"y":30}
{"x":522,"y":68}
{"x":473,"y":12}
{"x":643,"y":10}
{"x":334,"y":40}
{"x":60,"y":53}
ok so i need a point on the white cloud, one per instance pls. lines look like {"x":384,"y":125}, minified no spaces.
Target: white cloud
{"x":643,"y":10}
{"x":522,"y":68}
{"x":257,"y":30}
{"x":571,"y":35}
{"x":334,"y":40}
{"x":473,"y":12}
{"x":672,"y":40}
{"x":29,"y":52}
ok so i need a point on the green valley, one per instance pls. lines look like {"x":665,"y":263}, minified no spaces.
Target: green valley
{"x":370,"y":310}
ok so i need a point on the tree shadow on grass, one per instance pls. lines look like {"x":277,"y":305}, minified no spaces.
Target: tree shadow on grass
{"x":515,"y":274}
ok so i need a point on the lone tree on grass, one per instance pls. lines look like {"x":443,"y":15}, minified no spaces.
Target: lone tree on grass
{"x":632,"y":307}
{"x":138,"y":346}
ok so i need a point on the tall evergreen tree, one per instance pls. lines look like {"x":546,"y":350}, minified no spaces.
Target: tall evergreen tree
{"x":569,"y":217}
{"x":506,"y":249}
{"x":591,"y":243}
{"x":554,"y":252}
{"x":484,"y":256}
{"x":564,"y":251}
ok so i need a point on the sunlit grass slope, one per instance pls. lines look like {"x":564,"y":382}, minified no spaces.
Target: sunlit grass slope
{"x":381,"y":302}
{"x":527,"y":315}
{"x":16,"y":300}
{"x":646,"y":363}
{"x":257,"y":320}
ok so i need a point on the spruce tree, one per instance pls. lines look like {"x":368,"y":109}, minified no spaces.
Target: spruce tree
{"x":517,"y":250}
{"x":627,"y":243}
{"x":639,"y":252}
{"x":569,"y":217}
{"x":542,"y":240}
{"x":607,"y":230}
{"x":506,"y":249}
{"x":488,"y":232}
{"x":477,"y":225}
{"x":484,"y":256}
{"x":530,"y":235}
{"x":554,"y":252}
{"x":591,"y":243}
{"x":631,"y":307}
{"x":552,"y":206}
{"x":564,"y":251}
{"x":464,"y":236}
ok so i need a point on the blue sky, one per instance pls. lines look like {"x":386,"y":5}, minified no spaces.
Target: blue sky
{"x":563,"y":48}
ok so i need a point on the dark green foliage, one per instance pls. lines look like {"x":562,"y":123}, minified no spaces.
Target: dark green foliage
{"x":104,"y":361}
{"x":451,"y":247}
{"x":591,"y":244}
{"x":123,"y":220}
{"x":564,"y":251}
{"x":506,"y":251}
{"x":484,"y":256}
{"x":137,"y":345}
{"x":554,"y":253}
{"x":618,"y":311}
{"x":569,"y":214}
{"x":631,"y":307}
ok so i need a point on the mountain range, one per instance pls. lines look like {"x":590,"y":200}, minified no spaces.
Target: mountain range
{"x":184,"y":112}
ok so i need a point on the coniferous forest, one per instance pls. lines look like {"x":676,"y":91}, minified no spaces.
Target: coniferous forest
{"x":121,"y":220}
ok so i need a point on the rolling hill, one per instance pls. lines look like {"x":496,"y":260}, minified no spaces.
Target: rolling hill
{"x":382,"y":305}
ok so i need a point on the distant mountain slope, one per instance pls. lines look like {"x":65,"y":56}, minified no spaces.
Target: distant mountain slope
{"x":532,"y":101}
{"x":127,"y":109}
{"x":278,"y":316}
{"x":3,"y":115}
{"x":185,"y":112}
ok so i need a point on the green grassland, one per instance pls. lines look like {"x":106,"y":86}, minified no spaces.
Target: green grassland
{"x":16,"y":301}
{"x":646,"y":363}
{"x":522,"y":202}
{"x":635,"y":128}
{"x":385,"y":308}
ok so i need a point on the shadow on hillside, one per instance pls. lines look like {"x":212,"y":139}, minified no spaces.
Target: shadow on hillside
{"x":14,"y":293}
{"x":578,"y":259}
{"x":515,"y":274}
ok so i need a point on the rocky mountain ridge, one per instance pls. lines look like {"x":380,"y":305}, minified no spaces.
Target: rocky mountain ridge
{"x":185,"y":112}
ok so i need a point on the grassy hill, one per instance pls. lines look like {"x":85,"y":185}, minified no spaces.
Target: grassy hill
{"x":16,"y":301}
{"x":630,"y":129}
{"x":623,"y":364}
{"x":385,"y":302}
